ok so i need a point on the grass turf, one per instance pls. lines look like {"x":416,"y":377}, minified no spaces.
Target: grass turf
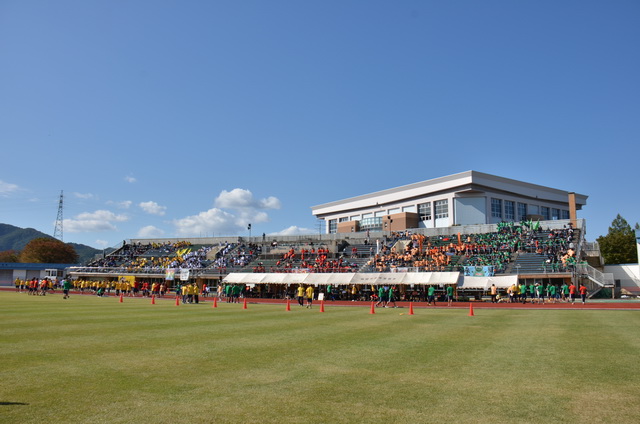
{"x":94,"y":360}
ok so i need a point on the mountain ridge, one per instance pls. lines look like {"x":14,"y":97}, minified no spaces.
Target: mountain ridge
{"x":16,"y":238}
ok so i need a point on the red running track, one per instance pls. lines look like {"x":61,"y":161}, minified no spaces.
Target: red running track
{"x":597,"y":304}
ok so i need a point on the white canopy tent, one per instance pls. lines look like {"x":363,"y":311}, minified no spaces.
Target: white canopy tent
{"x":431,"y":278}
{"x":483,"y":283}
{"x":347,"y":278}
{"x":325,"y":279}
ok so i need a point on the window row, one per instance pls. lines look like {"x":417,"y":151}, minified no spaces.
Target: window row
{"x":508,"y":213}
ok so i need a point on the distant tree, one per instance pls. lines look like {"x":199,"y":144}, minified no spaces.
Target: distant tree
{"x":48,"y":250}
{"x":619,"y":245}
{"x":9,"y":256}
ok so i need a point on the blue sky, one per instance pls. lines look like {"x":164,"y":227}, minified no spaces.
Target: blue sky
{"x":189,"y":118}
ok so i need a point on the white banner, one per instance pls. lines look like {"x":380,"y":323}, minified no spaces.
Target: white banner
{"x":184,"y":274}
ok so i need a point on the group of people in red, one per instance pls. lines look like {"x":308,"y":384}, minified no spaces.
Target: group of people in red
{"x":311,"y":260}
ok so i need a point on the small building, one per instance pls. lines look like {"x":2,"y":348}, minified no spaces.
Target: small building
{"x":467,"y":198}
{"x":10,"y":271}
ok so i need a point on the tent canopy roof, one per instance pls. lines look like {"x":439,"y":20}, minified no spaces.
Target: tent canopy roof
{"x":347,"y":278}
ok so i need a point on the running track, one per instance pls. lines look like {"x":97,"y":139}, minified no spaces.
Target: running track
{"x":596,"y":304}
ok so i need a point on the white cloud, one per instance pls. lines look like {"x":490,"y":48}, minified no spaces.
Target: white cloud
{"x":270,"y":203}
{"x":294,"y":231}
{"x":130,"y":179}
{"x":100,"y":220}
{"x":253,"y":217}
{"x":243,"y":209}
{"x":7,"y":188}
{"x":212,"y":221}
{"x":239,"y":198}
{"x":125,"y":204}
{"x":150,"y":232}
{"x":83,"y":195}
{"x":153,"y":208}
{"x":102,"y":243}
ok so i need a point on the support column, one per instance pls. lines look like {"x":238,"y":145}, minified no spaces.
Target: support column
{"x":573,"y":216}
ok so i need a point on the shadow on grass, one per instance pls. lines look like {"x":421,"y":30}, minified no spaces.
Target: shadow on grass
{"x":12,"y":403}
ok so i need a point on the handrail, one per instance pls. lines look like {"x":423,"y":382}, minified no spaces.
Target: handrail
{"x":600,"y":278}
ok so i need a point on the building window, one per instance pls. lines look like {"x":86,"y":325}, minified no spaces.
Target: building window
{"x":442,"y":208}
{"x":565,"y":215}
{"x":393,"y":211}
{"x":424,"y":211}
{"x":343,"y":219}
{"x":496,"y":208}
{"x":371,"y":224}
{"x":544,"y":211}
{"x":409,"y":209}
{"x":522,"y":211}
{"x":509,"y":210}
{"x":555,"y":213}
{"x":333,"y":226}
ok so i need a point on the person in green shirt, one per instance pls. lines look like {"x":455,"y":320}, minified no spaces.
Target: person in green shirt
{"x":540,"y":293}
{"x":565,"y":292}
{"x":227,"y":292}
{"x":551,"y":290}
{"x":392,"y":296}
{"x":66,"y":286}
{"x":523,"y":293}
{"x":382,"y":298}
{"x":431,"y":295}
{"x":449,"y":295}
{"x":330,"y":293}
{"x":236,"y":290}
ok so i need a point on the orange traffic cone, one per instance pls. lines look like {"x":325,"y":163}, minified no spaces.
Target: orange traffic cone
{"x":153,"y":299}
{"x":410,"y":308}
{"x":215,"y":302}
{"x":244,"y":305}
{"x":121,"y":298}
{"x":373,"y":308}
{"x":471,"y":309}
{"x":177,"y":300}
{"x":322,"y":306}
{"x":288,"y":305}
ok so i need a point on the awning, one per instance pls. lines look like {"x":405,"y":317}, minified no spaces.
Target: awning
{"x":483,"y":283}
{"x":335,"y":279}
{"x":430,"y":278}
{"x":347,"y":278}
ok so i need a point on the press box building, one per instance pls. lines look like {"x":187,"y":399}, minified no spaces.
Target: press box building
{"x":467,"y":198}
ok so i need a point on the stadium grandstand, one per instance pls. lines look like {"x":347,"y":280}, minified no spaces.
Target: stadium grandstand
{"x":470,"y":230}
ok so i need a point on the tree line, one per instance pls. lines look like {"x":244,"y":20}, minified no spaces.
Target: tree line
{"x":42,"y":250}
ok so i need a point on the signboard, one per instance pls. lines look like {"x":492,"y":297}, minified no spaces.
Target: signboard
{"x":184,"y":274}
{"x":478,"y":271}
{"x":170,"y":274}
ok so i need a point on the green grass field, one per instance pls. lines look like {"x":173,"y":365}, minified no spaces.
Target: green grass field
{"x":95,"y":360}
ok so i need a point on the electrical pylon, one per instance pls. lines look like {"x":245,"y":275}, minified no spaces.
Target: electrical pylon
{"x":57,"y":232}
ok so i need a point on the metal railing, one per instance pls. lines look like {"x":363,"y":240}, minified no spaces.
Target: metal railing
{"x":600,"y":278}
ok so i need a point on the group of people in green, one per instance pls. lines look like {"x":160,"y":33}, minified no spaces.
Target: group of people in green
{"x":540,"y":293}
{"x":231,"y":292}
